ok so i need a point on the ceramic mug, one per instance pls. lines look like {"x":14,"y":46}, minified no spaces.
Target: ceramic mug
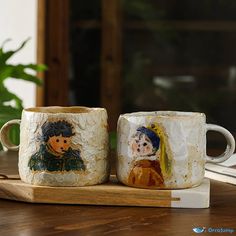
{"x":165,"y":149}
{"x":61,"y":146}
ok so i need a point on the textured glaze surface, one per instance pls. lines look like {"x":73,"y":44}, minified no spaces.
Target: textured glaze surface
{"x":90,"y":137}
{"x":183,"y":135}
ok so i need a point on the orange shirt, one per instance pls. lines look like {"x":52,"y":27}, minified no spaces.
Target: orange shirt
{"x":146,"y":173}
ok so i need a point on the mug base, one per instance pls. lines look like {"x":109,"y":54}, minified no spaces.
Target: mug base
{"x":162,"y":187}
{"x":65,"y":180}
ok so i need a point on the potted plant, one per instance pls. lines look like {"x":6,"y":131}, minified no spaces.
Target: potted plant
{"x":10,"y":104}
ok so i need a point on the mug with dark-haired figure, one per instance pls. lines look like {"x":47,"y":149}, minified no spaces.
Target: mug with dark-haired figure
{"x":56,"y":153}
{"x":61,"y":146}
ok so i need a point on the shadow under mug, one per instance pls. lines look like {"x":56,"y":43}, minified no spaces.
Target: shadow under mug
{"x":61,"y":146}
{"x":165,"y":149}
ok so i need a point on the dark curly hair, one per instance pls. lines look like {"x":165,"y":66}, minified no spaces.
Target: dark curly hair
{"x":50,"y":129}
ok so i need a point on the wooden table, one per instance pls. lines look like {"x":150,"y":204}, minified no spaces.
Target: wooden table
{"x":25,"y":219}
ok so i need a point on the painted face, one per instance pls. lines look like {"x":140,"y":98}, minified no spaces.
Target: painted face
{"x":59,"y":144}
{"x":141,"y":145}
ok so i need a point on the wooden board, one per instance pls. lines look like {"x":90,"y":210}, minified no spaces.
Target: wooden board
{"x":111,"y":193}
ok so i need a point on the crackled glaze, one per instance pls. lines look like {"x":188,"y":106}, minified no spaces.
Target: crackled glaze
{"x":181,"y":155}
{"x":89,"y":141}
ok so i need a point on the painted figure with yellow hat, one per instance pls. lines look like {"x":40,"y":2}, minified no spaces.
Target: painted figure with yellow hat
{"x":151,"y":162}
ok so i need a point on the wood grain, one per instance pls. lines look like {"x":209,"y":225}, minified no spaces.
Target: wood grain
{"x":41,"y":49}
{"x":53,"y":50}
{"x":18,"y":218}
{"x":111,"y":60}
{"x":111,"y":193}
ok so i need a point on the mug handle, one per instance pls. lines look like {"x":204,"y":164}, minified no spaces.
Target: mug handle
{"x":4,"y":135}
{"x":230,"y":144}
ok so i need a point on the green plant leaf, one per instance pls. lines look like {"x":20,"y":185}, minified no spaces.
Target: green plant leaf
{"x":9,"y":112}
{"x":4,"y":42}
{"x":7,"y":96}
{"x":36,"y":67}
{"x":5,"y":72}
{"x":113,"y":139}
{"x":1,"y":48}
{"x":4,"y":56}
{"x":19,"y":73}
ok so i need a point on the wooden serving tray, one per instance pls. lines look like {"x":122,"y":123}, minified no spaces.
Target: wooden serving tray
{"x":111,"y":193}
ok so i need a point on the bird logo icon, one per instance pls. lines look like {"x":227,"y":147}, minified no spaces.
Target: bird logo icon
{"x":199,"y":230}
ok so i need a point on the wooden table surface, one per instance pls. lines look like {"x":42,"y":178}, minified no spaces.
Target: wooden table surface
{"x":26,"y":219}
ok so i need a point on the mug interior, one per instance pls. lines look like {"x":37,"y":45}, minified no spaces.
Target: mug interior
{"x":56,"y":109}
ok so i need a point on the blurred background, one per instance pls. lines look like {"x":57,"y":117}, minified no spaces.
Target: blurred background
{"x":133,"y":55}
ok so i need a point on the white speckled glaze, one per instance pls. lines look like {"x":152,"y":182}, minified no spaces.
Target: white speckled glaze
{"x":183,"y":137}
{"x":90,"y":137}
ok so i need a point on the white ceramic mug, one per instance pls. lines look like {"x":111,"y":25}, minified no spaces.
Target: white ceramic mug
{"x":61,"y":146}
{"x":165,"y":149}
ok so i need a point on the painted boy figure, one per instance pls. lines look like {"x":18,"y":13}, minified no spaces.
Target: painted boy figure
{"x":55,"y":153}
{"x":146,"y":171}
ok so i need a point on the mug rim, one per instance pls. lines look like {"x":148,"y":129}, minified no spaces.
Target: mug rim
{"x":63,"y":109}
{"x":164,"y":114}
